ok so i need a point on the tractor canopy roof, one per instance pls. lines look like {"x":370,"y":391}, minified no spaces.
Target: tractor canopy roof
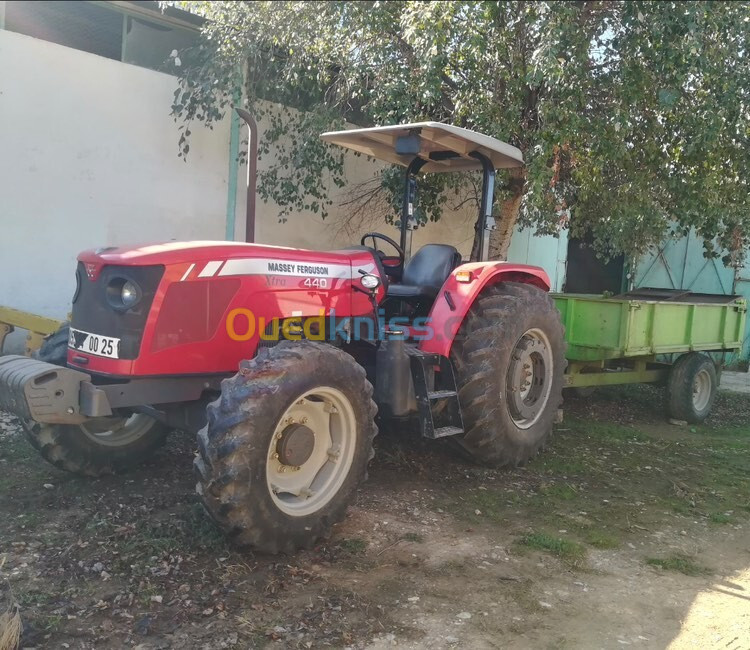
{"x":445,"y":146}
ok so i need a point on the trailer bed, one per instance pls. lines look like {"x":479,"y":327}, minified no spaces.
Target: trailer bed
{"x":648,"y":322}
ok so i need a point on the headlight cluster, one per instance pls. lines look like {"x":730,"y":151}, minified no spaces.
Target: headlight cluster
{"x":123,"y":294}
{"x":370,"y":281}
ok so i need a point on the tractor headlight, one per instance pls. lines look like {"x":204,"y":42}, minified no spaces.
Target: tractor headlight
{"x":123,"y":294}
{"x":129,"y":294}
{"x":370,"y":281}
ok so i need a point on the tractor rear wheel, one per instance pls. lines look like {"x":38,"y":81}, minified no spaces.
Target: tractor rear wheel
{"x":286,"y":445}
{"x":509,"y":358}
{"x":100,"y":445}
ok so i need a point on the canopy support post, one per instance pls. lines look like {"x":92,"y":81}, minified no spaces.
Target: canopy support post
{"x":485,"y":222}
{"x":408,"y":220}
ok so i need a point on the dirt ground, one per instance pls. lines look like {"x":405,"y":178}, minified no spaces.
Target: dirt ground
{"x":626,"y":531}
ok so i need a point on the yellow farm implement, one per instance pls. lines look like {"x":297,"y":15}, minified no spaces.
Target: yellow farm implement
{"x":37,"y":327}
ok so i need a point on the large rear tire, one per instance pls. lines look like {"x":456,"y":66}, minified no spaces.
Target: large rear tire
{"x":286,"y":445}
{"x":509,"y":358}
{"x":100,"y":445}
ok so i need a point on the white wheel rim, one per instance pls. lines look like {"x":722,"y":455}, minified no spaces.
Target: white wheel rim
{"x":325,"y":416}
{"x":117,"y":432}
{"x":529,"y":378}
{"x":701,"y":390}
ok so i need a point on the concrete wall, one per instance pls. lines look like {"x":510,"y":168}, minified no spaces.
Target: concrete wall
{"x":88,"y":157}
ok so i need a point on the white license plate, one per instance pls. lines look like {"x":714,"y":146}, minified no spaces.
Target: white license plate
{"x":101,"y":346}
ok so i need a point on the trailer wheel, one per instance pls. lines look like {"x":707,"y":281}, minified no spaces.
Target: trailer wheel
{"x":286,"y":445}
{"x":100,"y":445}
{"x":691,"y":388}
{"x":509,"y":358}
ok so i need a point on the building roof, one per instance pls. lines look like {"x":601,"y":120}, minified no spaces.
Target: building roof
{"x":380,"y":142}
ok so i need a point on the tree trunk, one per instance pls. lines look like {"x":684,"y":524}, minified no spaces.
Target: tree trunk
{"x":505,"y":219}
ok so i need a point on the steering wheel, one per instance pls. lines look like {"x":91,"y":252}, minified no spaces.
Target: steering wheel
{"x":393,"y":265}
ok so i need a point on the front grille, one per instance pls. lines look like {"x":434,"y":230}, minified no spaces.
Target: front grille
{"x":93,"y":313}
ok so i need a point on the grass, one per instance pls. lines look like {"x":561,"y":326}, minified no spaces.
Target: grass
{"x":565,"y":549}
{"x":353,"y":545}
{"x":31,"y":520}
{"x":16,"y":452}
{"x":489,"y":503}
{"x":17,"y":449}
{"x":52,"y":622}
{"x":192,"y":530}
{"x":600,"y":482}
{"x":563,"y":492}
{"x":680,"y":564}
{"x":35,"y":598}
{"x":601,"y":539}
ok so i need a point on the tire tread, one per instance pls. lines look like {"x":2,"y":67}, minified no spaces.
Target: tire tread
{"x":482,"y":335}
{"x":234,"y":432}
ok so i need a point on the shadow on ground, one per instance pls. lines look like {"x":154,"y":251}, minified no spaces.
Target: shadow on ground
{"x":625,"y":531}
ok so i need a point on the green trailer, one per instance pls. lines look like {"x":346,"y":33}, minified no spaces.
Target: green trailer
{"x":650,"y":336}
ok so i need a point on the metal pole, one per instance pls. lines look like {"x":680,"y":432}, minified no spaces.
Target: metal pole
{"x":408,"y":221}
{"x":252,"y":172}
{"x":234,"y":150}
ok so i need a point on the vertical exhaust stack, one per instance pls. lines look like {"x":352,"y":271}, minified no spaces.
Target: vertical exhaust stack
{"x":252,"y":172}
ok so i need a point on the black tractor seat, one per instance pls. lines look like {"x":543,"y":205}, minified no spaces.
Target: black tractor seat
{"x":426,"y":272}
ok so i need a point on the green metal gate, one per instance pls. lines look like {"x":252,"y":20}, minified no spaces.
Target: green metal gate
{"x":742,"y":288}
{"x":679,"y":264}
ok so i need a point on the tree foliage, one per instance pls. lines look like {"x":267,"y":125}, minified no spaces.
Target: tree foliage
{"x":633,"y":117}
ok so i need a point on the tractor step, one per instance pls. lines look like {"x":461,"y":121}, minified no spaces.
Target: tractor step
{"x":436,"y":394}
{"x":441,"y":394}
{"x":442,"y":432}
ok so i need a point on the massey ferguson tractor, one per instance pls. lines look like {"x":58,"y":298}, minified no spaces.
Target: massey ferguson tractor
{"x":279,"y":359}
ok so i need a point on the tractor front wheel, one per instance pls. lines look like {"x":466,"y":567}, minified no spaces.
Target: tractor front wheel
{"x":286,"y":445}
{"x":100,"y":445}
{"x":509,"y":358}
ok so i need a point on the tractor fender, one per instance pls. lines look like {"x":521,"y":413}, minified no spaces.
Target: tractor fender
{"x":457,"y":296}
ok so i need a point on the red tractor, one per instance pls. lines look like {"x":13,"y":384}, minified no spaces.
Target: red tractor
{"x":280,"y":358}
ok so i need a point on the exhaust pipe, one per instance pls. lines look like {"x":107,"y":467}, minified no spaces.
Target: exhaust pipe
{"x":252,"y":172}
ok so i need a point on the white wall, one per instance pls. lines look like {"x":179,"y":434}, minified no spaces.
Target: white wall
{"x":88,"y":157}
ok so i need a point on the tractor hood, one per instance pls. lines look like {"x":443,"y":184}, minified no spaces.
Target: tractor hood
{"x":206,"y":259}
{"x":183,"y":299}
{"x":194,"y":252}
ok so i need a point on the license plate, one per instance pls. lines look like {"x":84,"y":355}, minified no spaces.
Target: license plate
{"x":101,"y":346}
